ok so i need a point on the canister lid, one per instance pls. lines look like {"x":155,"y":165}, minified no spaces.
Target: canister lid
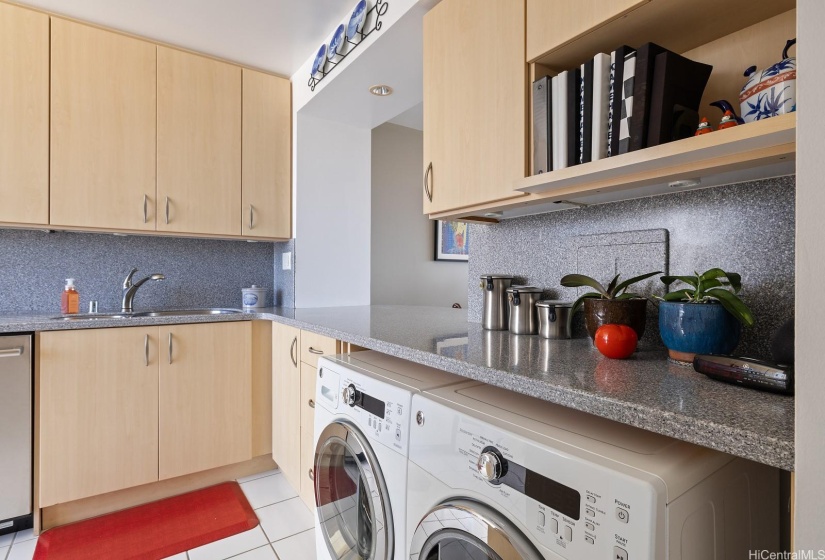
{"x":525,"y":289}
{"x":496,"y":276}
{"x":554,"y":303}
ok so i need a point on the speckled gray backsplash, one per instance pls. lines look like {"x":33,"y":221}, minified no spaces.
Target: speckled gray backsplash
{"x":199,"y":272}
{"x":746,"y":228}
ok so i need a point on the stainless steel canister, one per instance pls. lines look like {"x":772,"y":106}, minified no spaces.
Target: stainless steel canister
{"x":553,"y":318}
{"x":523,"y":317}
{"x":496,"y":312}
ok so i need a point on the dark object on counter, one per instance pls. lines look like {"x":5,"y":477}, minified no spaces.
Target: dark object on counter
{"x":782,"y":344}
{"x":630,"y":312}
{"x":747,"y":372}
{"x":496,"y":315}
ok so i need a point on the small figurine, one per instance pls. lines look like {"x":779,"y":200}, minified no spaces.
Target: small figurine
{"x":727,"y":121}
{"x":703,"y":128}
{"x":724,"y":105}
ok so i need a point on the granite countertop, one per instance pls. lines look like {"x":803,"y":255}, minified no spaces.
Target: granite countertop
{"x":645,"y":391}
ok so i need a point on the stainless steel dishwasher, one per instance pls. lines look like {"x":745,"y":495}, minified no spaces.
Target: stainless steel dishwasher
{"x":15,"y":433}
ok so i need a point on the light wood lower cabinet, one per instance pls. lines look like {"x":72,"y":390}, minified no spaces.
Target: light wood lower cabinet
{"x":24,"y":116}
{"x":307,"y":486}
{"x":205,"y":388}
{"x":98,"y":403}
{"x":123,"y":407}
{"x":286,"y":397}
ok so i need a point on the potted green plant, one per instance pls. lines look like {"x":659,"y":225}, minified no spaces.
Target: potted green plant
{"x":610,"y":305}
{"x":706,"y":317}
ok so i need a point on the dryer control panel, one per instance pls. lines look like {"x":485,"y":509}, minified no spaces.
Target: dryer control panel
{"x":379,"y":409}
{"x":576,"y":507}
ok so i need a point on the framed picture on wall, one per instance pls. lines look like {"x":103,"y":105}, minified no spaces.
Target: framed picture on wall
{"x":451,"y":241}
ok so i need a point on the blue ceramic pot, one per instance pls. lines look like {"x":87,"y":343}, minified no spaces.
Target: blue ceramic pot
{"x":697,"y":328}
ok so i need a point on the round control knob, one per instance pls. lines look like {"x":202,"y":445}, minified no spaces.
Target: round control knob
{"x":350,"y":395}
{"x":491,"y":465}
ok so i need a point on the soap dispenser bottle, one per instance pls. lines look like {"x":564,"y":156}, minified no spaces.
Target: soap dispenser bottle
{"x":70,"y":299}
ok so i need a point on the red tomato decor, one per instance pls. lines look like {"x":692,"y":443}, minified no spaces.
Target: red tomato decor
{"x":616,"y":341}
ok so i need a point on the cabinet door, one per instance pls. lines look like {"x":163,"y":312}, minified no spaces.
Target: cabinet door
{"x":205,"y":393}
{"x":267,"y":138}
{"x":102,"y":129}
{"x":552,"y":23}
{"x":313,"y":346}
{"x":475,"y":114}
{"x":24,"y":116}
{"x":307,"y":486}
{"x":98,"y":406}
{"x":199,"y":144}
{"x":286,"y":397}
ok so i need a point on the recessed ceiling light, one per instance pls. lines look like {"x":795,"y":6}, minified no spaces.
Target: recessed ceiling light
{"x":381,"y":90}
{"x":685,"y":183}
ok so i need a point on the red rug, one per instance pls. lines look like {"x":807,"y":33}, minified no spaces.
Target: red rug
{"x":155,"y":530}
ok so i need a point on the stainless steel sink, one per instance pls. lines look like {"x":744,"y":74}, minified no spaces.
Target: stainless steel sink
{"x":184,"y":312}
{"x":162,"y":313}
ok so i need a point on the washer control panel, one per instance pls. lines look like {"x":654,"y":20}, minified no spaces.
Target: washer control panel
{"x":574,"y":506}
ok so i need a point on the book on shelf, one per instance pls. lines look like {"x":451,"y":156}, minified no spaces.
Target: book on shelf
{"x":559,"y":118}
{"x":617,"y":58}
{"x":542,"y":126}
{"x":571,"y":106}
{"x":600,"y":106}
{"x":626,"y":113}
{"x":585,"y":134}
{"x":676,"y":93}
{"x":642,"y":88}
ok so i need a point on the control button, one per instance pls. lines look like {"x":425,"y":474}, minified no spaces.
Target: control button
{"x":619,"y":553}
{"x":590,"y":513}
{"x":554,"y":526}
{"x":542,"y":519}
{"x":622,"y":515}
{"x":398,"y":433}
{"x":589,"y":527}
{"x":591,"y":499}
{"x":369,"y":421}
{"x":379,"y":425}
{"x":568,"y":533}
{"x":400,"y":409}
{"x":491,"y":465}
{"x":589,"y":540}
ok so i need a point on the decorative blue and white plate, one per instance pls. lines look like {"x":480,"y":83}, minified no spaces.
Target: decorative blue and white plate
{"x":336,"y":45}
{"x":356,"y":20}
{"x":320,"y":62}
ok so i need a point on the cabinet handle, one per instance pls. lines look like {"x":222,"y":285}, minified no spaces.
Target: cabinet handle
{"x":146,"y":350}
{"x":311,"y":403}
{"x":170,"y":348}
{"x":314,"y":351}
{"x":145,"y":215}
{"x":427,"y":179}
{"x":167,"y":209}
{"x":292,"y":351}
{"x":251,"y":209}
{"x":11,"y":352}
{"x":311,"y":475}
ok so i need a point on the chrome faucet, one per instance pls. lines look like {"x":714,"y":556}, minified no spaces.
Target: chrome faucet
{"x":130,"y":289}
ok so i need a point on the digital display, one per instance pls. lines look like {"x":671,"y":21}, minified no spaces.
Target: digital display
{"x":561,"y":498}
{"x":373,"y":405}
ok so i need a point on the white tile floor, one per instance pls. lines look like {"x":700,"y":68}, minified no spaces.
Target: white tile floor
{"x":285,"y":533}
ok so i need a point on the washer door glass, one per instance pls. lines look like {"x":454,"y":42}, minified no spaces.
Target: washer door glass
{"x":351,"y":496}
{"x":463,"y":529}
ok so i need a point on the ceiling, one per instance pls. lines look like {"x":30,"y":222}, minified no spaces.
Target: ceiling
{"x":411,"y":118}
{"x":274,"y":35}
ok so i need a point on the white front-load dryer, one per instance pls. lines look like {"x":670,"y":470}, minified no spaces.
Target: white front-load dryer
{"x":362,"y":424}
{"x":501,"y":476}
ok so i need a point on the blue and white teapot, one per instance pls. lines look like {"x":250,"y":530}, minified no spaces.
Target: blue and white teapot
{"x":770,"y":92}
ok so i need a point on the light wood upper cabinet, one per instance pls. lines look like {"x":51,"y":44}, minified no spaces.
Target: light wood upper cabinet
{"x":286,"y":397}
{"x":551,"y":23}
{"x":205,"y":410}
{"x":199,"y":144}
{"x":307,"y":486}
{"x":98,"y":403}
{"x":475,"y":114}
{"x":24,"y":116}
{"x":267,"y":138}
{"x":103,"y":128}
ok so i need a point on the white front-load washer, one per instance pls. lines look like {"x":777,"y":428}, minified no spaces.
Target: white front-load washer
{"x":362,"y":426}
{"x":501,"y":476}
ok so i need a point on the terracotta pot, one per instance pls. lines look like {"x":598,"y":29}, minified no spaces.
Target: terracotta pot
{"x":630,"y":312}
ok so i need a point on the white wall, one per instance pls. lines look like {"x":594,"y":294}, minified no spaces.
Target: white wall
{"x":810,"y":274}
{"x":403,"y":269}
{"x":332,"y":226}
